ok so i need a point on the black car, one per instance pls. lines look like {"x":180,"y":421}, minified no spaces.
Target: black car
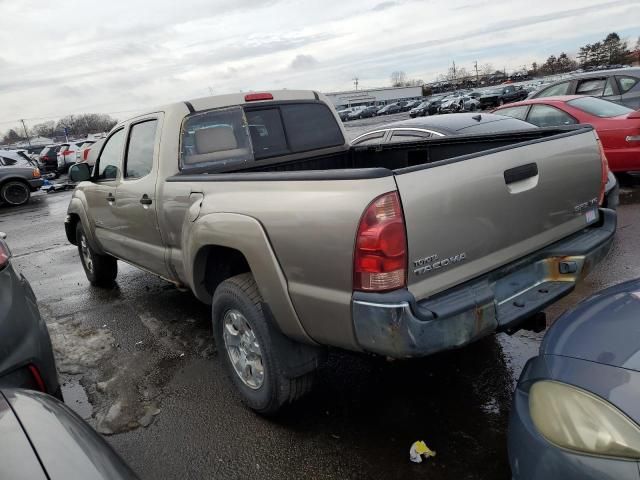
{"x":364,"y":113}
{"x":440,"y":126}
{"x":620,"y":86}
{"x":26,"y":355}
{"x":409,"y":105}
{"x":502,"y":95}
{"x":48,"y":158}
{"x":42,"y":439}
{"x":389,"y":109}
{"x":420,"y":111}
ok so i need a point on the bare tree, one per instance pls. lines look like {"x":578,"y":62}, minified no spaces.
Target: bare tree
{"x":398,"y":78}
{"x":486,"y":69}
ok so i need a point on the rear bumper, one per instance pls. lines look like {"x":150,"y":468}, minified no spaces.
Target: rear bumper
{"x":396,"y":325}
{"x":36,"y":184}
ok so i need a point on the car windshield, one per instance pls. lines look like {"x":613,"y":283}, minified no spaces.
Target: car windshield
{"x":599,"y":107}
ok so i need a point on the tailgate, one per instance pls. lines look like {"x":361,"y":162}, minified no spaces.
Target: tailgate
{"x":469,"y":216}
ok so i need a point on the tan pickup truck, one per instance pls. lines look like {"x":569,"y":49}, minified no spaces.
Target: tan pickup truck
{"x":259,"y":205}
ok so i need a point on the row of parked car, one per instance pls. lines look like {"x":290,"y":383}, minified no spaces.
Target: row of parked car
{"x":618,"y":85}
{"x":59,"y":157}
{"x":22,"y":173}
{"x":459,"y":101}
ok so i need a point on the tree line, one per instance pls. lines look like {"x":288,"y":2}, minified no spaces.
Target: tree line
{"x":611,"y":50}
{"x":76,"y":125}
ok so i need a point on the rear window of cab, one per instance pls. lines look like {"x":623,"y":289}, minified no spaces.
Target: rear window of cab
{"x":239,"y":135}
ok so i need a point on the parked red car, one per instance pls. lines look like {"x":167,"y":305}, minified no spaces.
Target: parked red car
{"x":618,"y":127}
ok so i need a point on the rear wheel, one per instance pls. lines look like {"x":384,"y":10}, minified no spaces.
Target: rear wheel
{"x":15,"y":193}
{"x":248,"y":347}
{"x":101,"y":270}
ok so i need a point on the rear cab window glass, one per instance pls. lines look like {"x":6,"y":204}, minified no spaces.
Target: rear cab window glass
{"x":110,"y":161}
{"x":227,"y":137}
{"x":598,"y":107}
{"x":215,"y":137}
{"x":310,"y":126}
{"x":548,"y":116}
{"x":142,"y":139}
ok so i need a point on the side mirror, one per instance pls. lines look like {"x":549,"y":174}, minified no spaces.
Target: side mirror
{"x":79,"y":172}
{"x":3,"y":235}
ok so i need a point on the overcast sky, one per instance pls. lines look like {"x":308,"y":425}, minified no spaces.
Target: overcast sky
{"x":78,"y":56}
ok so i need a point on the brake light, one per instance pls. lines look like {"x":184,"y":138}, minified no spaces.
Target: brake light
{"x":67,"y":152}
{"x":5,"y":254}
{"x":604,"y":164}
{"x":36,"y":173}
{"x":85,"y":154}
{"x":44,"y":158}
{"x":37,"y":378}
{"x":380,"y":257}
{"x":254,"y":97}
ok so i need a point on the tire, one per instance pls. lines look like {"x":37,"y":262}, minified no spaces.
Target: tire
{"x":101,"y":270}
{"x":237,"y":303}
{"x":472,"y":108}
{"x":15,"y":193}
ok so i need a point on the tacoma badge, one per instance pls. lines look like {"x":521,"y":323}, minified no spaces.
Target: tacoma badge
{"x":430,"y":263}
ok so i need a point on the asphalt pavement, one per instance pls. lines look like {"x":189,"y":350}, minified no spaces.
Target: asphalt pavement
{"x":138,"y":363}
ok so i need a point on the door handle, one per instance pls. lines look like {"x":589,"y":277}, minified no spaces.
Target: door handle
{"x":111,"y":198}
{"x":145,"y":200}
{"x":522,"y":172}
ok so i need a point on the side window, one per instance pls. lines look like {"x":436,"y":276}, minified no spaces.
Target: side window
{"x":110,"y":160}
{"x":408,"y":136}
{"x":547,"y":116}
{"x":553,"y":90}
{"x":508,"y":89}
{"x":140,"y":149}
{"x":593,"y":87}
{"x":371,"y":139}
{"x":627,"y":83}
{"x":515,"y":112}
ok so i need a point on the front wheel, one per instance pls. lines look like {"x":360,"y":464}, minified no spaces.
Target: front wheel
{"x":101,"y":270}
{"x":15,"y":193}
{"x":248,"y":346}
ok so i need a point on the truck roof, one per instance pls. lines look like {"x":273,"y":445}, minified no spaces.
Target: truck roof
{"x":231,"y":99}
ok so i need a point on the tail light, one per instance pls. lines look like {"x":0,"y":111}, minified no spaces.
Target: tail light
{"x":37,"y":378}
{"x":604,"y":164}
{"x":5,"y":253}
{"x":380,"y":258}
{"x":85,"y":154}
{"x":67,"y":152}
{"x":44,"y":158}
{"x":36,"y":173}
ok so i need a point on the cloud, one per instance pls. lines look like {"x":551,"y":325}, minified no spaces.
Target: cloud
{"x":303,"y":62}
{"x":383,"y":6}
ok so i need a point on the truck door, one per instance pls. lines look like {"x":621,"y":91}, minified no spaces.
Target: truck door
{"x":136,"y":208}
{"x":102,"y":196}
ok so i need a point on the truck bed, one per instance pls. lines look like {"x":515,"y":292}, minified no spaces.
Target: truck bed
{"x":405,"y":155}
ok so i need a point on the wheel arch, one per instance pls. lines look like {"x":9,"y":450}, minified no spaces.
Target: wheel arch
{"x":221,"y":245}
